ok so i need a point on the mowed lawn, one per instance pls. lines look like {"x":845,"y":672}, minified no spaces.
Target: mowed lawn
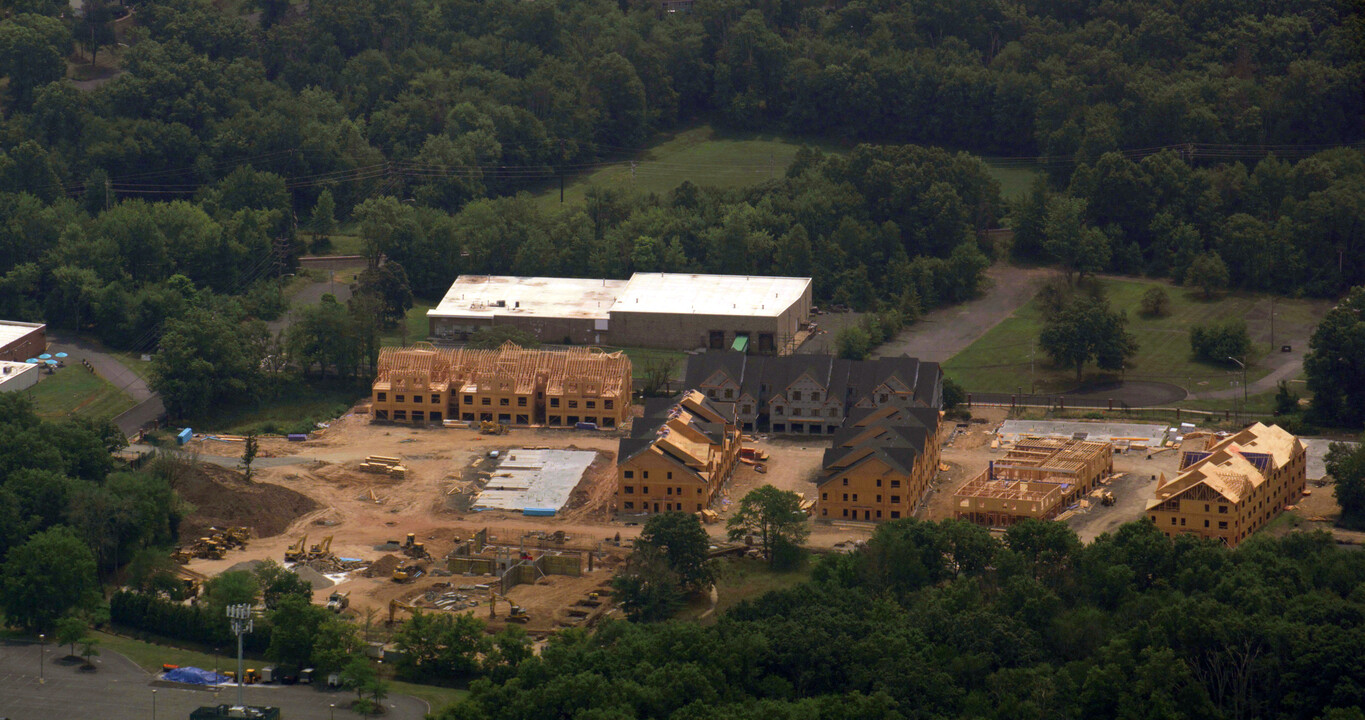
{"x":999,"y":360}
{"x":700,"y":155}
{"x":1015,"y":181}
{"x":73,"y":389}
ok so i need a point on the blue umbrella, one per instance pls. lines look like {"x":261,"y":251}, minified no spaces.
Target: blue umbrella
{"x":32,"y":361}
{"x":51,"y":362}
{"x":44,"y":356}
{"x":61,"y":355}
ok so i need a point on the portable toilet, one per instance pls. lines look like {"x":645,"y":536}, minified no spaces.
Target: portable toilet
{"x":184,"y":436}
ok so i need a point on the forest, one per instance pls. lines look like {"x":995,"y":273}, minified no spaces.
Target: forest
{"x":228,"y":144}
{"x":936,"y":620}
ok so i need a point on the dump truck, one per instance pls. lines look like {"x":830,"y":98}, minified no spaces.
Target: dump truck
{"x":338,"y":601}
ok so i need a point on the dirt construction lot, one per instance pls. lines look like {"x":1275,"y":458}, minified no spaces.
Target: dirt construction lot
{"x":361,"y":510}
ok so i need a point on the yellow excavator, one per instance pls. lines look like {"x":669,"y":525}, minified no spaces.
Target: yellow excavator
{"x":514,"y":611}
{"x":489,"y":427}
{"x":297,"y":551}
{"x":322,"y":549}
{"x":395,"y":606}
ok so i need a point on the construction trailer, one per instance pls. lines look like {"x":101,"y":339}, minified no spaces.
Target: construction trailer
{"x":1037,"y":478}
{"x":510,"y":386}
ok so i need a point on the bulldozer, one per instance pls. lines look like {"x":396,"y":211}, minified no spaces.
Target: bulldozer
{"x":1107,"y":498}
{"x":298,"y":551}
{"x":489,"y":427}
{"x":408,"y":573}
{"x":414,"y":549}
{"x":515,"y":613}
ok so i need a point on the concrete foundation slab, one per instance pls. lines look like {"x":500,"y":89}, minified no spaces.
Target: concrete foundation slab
{"x":1150,"y":433}
{"x":535,"y":480}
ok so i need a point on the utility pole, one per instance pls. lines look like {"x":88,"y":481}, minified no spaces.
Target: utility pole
{"x":1244,"y":378}
{"x":240,"y":615}
{"x":1032,"y":348}
{"x":1272,"y":323}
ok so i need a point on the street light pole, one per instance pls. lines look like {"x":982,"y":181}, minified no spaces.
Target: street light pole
{"x":333,"y":713}
{"x":240,"y":615}
{"x":42,"y":652}
{"x":153,"y":703}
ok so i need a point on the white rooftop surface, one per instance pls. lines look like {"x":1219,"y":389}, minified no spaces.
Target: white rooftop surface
{"x":11,"y":371}
{"x":476,"y":296}
{"x":11,"y":331}
{"x":750,"y":295}
{"x":1013,"y":430}
{"x":538,"y":479}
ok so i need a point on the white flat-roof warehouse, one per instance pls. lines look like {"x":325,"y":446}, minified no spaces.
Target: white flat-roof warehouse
{"x":669,"y":310}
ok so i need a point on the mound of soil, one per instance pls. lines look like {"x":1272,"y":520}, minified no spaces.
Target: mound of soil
{"x":383,"y":567}
{"x":222,"y":497}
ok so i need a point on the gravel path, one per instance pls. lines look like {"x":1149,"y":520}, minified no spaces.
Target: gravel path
{"x":945,"y":332}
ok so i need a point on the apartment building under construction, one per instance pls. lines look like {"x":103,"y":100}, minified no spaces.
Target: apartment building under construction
{"x":574,"y":387}
{"x":1036,"y":479}
{"x":1228,"y":488}
{"x":679,"y":455}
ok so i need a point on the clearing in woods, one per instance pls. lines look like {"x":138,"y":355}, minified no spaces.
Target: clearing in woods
{"x":999,"y":361}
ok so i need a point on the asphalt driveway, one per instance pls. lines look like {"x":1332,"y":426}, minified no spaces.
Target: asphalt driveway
{"x":120,"y":690}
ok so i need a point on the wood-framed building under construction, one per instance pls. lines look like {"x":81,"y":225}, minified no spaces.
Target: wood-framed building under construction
{"x":1036,"y":479}
{"x":509,"y":385}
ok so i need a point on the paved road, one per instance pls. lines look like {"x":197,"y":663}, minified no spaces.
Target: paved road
{"x":945,"y":332}
{"x":120,"y":690}
{"x":106,"y":365}
{"x":310,"y":294}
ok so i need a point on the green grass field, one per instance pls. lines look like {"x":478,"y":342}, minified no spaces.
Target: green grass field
{"x":999,"y":360}
{"x":701,"y":155}
{"x":740,"y":580}
{"x":415,"y":323}
{"x":1014,"y":181}
{"x":710,"y":158}
{"x":297,"y":411}
{"x":73,"y":389}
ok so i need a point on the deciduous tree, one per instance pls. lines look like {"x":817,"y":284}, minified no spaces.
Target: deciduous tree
{"x":774,"y":515}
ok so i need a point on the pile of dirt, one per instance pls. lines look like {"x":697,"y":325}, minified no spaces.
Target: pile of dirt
{"x":384,"y":566}
{"x":222,"y":498}
{"x":591,"y":498}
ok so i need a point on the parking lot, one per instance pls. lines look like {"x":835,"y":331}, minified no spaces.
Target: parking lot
{"x":120,"y":690}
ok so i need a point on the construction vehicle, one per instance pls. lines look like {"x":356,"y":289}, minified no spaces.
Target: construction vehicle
{"x":1107,"y":498}
{"x":414,"y":549}
{"x":489,"y":427}
{"x":408,"y":573}
{"x":338,"y":601}
{"x":297,"y":551}
{"x":321,"y":550}
{"x":395,"y":606}
{"x":514,"y":611}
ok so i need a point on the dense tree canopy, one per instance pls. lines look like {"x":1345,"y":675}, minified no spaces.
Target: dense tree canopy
{"x":942,"y":620}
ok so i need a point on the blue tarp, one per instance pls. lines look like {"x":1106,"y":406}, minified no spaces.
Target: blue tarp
{"x":195,"y":676}
{"x":538,"y":512}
